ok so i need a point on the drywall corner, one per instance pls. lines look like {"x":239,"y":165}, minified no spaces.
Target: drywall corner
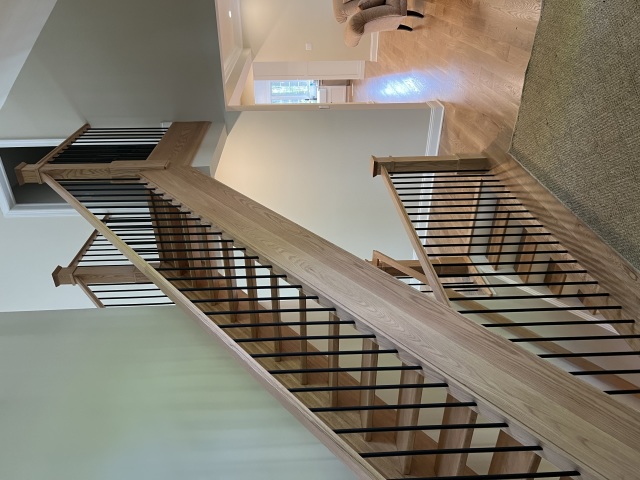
{"x":435,"y":127}
{"x":210,"y":150}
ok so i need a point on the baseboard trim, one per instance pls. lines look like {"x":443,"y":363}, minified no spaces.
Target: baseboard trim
{"x":40,"y":210}
{"x":435,"y":127}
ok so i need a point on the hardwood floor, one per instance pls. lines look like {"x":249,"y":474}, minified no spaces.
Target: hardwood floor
{"x":471,"y":55}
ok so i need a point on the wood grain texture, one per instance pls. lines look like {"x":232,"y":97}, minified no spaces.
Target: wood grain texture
{"x":460,"y":162}
{"x":512,"y":462}
{"x":333,"y":345}
{"x":367,"y":397}
{"x":471,"y":55}
{"x":31,"y":173}
{"x":99,"y":274}
{"x":89,"y":170}
{"x":92,"y":296}
{"x":334,"y":443}
{"x":614,"y":382}
{"x":543,"y":402}
{"x":427,"y":267}
{"x":179,"y":145}
{"x":451,"y":465}
{"x":405,"y":440}
{"x":613,"y":272}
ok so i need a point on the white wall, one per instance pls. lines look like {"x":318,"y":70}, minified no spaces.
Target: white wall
{"x":117,"y":63}
{"x":139,"y":394}
{"x":30,"y":249}
{"x":229,"y":33}
{"x":277,"y":30}
{"x":313,"y":167}
{"x":20,"y":24}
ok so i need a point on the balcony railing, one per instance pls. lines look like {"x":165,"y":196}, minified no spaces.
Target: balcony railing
{"x":396,"y":384}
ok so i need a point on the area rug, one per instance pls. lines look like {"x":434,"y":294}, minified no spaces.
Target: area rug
{"x":578,"y":129}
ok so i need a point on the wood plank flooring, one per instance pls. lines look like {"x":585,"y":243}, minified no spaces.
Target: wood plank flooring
{"x":471,"y":55}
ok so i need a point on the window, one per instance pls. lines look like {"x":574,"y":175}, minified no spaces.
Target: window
{"x":294,"y":91}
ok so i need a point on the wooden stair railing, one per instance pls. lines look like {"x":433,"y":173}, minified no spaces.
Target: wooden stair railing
{"x":107,"y":277}
{"x":614,"y":384}
{"x":377,"y":370}
{"x":351,"y":406}
{"x":337,"y":418}
{"x":116,"y":152}
{"x":531,"y":289}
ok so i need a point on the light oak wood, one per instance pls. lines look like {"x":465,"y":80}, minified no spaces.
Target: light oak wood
{"x":556,"y":218}
{"x":499,"y":227}
{"x":250,"y":269}
{"x":99,"y":274}
{"x":467,"y":356}
{"x":179,"y":145}
{"x":92,"y":296}
{"x":427,"y":267}
{"x":512,"y":462}
{"x":231,"y":283}
{"x":304,"y":344}
{"x":339,"y":447}
{"x":368,"y":397}
{"x":454,"y":464}
{"x":80,"y":171}
{"x":275,"y":316}
{"x":613,"y":272}
{"x":475,"y":212}
{"x":31,"y":173}
{"x":460,"y":162}
{"x":471,"y":55}
{"x":408,"y":417}
{"x":615,"y":381}
{"x":397,"y":268}
{"x":334,"y":360}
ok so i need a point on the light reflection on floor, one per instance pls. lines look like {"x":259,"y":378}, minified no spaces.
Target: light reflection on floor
{"x":405,"y":87}
{"x":399,"y":87}
{"x":469,"y":56}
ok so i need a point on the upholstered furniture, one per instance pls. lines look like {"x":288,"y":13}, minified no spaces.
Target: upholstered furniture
{"x":376,"y":16}
{"x":343,"y":9}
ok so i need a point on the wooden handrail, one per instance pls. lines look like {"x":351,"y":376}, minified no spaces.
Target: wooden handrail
{"x":605,"y":265}
{"x":92,"y":296}
{"x":27,"y":173}
{"x":98,"y":274}
{"x":179,"y":146}
{"x":339,"y":447}
{"x":418,"y":248}
{"x":582,"y":363}
{"x":574,"y":422}
{"x":460,"y":162}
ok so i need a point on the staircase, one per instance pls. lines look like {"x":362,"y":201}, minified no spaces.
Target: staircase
{"x":387,"y":375}
{"x":496,"y":264}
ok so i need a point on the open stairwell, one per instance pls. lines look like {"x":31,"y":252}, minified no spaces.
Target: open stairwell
{"x":496,"y":264}
{"x":399,"y":379}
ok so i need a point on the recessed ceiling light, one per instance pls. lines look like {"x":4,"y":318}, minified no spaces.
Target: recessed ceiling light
{"x":229,"y":13}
